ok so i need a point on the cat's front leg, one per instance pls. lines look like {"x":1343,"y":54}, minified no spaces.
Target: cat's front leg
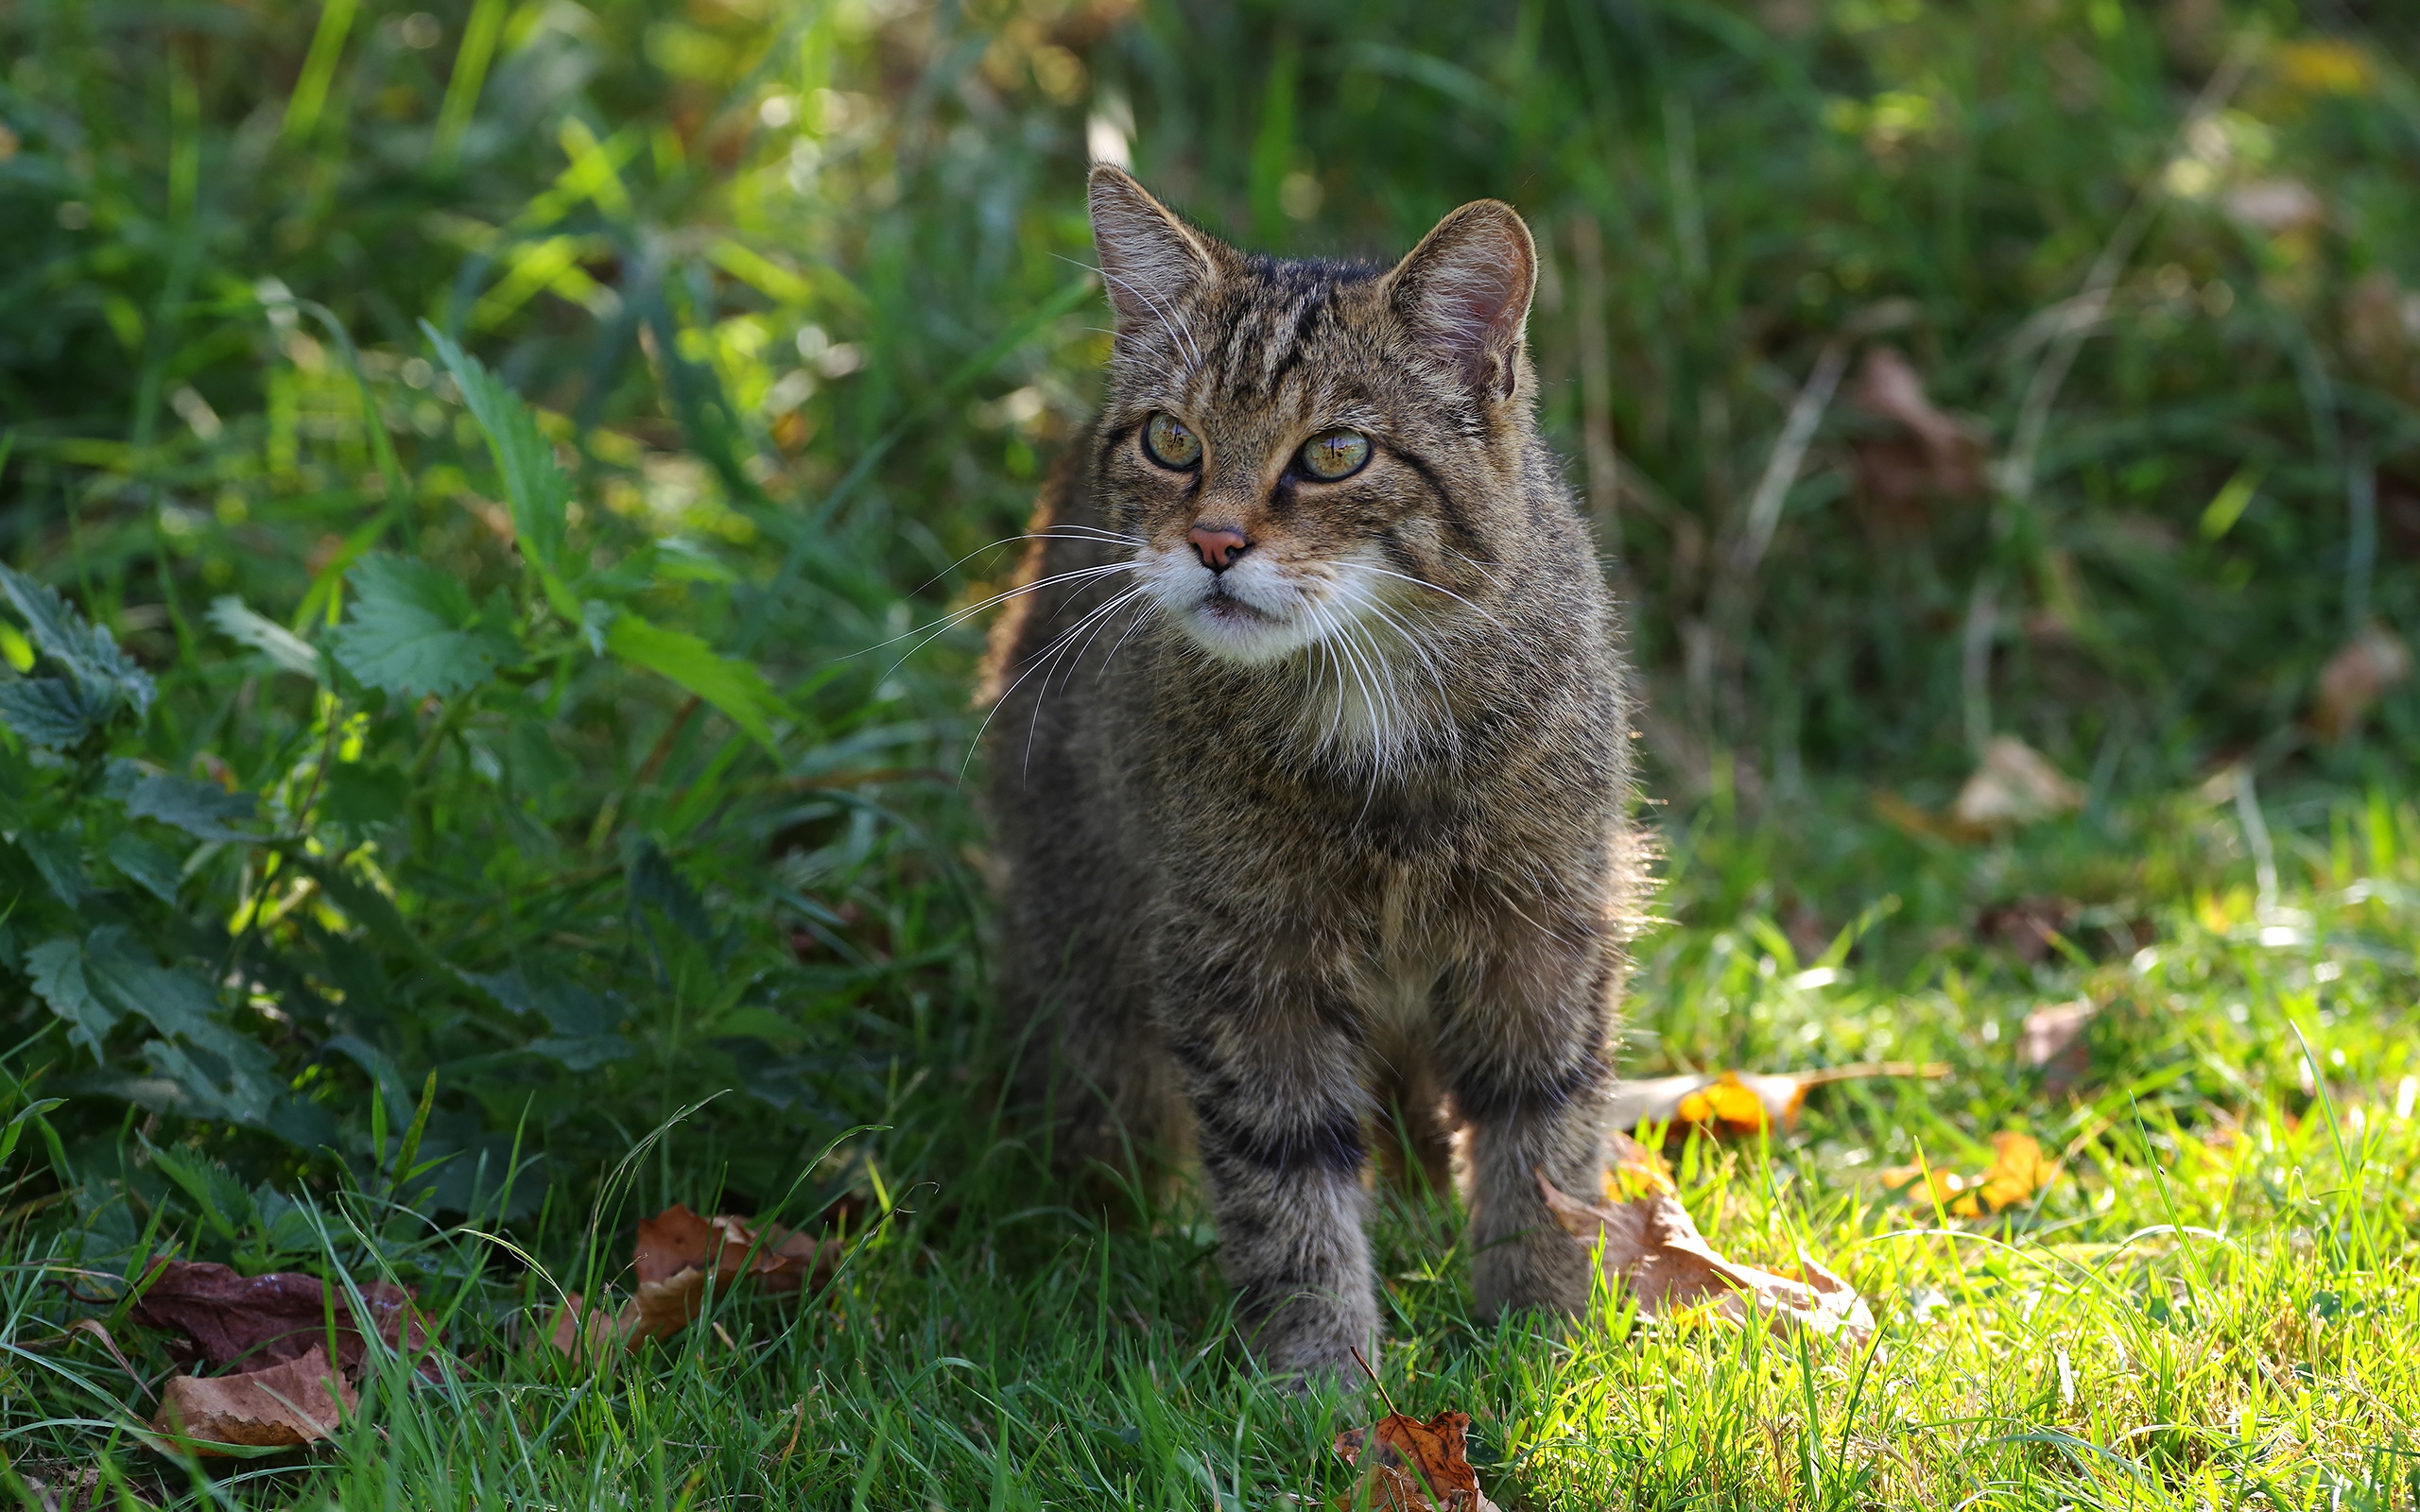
{"x":1270,"y":1059}
{"x":1525,"y":1042}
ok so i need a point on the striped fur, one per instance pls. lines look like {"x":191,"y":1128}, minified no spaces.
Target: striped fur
{"x":1360,"y":826}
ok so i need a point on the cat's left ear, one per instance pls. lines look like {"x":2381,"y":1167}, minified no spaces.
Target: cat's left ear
{"x":1464,"y":293}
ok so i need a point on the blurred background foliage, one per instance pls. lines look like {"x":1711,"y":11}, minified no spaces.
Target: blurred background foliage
{"x":1932,"y":372}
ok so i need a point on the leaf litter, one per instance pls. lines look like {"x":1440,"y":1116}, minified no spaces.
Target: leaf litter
{"x":1741,"y":1102}
{"x":1410,"y":1466}
{"x":277,"y":1329}
{"x":1652,"y":1248}
{"x":676,"y":1255}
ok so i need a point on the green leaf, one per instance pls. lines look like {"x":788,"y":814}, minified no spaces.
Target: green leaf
{"x":146,"y":865}
{"x":291,"y":652}
{"x":222,"y":1200}
{"x":413,"y":630}
{"x":101,"y":670}
{"x":59,"y":857}
{"x":653,"y":879}
{"x":56,"y":968}
{"x":53,"y":713}
{"x":534,"y":483}
{"x":202,"y":810}
{"x":733,"y":686}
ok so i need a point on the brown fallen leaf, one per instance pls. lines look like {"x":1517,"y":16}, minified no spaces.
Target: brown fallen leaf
{"x":676,"y":1252}
{"x":2052,"y":1042}
{"x":1739,"y":1102}
{"x":2014,"y":785}
{"x":296,"y":1401}
{"x":2025,"y":927}
{"x":2018,"y":1170}
{"x":2353,"y":679}
{"x":1888,"y":385}
{"x":1408,"y":1466}
{"x":231,"y":1319}
{"x":1653,"y":1249}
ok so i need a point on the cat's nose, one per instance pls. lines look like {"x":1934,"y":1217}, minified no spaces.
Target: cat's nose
{"x":1219,"y":547}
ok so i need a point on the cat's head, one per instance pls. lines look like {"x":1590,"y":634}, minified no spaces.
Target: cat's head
{"x":1313,"y":451}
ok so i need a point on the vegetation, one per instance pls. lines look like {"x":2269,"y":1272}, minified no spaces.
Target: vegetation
{"x":489,"y":488}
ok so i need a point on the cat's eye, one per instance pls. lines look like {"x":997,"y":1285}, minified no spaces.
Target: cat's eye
{"x":1170,"y":444}
{"x":1336,"y":455}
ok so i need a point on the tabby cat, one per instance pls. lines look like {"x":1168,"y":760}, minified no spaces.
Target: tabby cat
{"x":1309,"y":761}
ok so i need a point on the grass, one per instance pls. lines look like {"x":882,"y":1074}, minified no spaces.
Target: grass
{"x":2209,"y":1308}
{"x":795,"y":293}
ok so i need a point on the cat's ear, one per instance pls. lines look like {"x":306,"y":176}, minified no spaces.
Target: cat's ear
{"x":1148,"y":258}
{"x":1464,"y":293}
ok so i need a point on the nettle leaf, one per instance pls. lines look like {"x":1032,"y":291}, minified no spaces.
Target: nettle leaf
{"x":653,"y":879}
{"x":155,"y":870}
{"x":733,"y":686}
{"x":237,"y":622}
{"x":202,"y":810}
{"x":101,"y":670}
{"x":534,"y":483}
{"x":413,"y":630}
{"x":56,"y":968}
{"x":58,"y":855}
{"x":53,"y":713}
{"x":360,"y":793}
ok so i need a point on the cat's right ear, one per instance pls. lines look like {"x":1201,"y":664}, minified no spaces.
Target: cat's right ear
{"x":1148,"y":258}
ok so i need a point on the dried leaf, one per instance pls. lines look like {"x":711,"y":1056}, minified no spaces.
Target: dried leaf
{"x":282,"y":1406}
{"x":1888,"y":385}
{"x":1739,"y":1102}
{"x":1408,"y":1466}
{"x":1652,"y":1249}
{"x":2016,"y":785}
{"x":2024,"y":928}
{"x":251,"y":1320}
{"x":2017,"y":1172}
{"x":2353,"y":679}
{"x":2053,"y":1041}
{"x":676,"y":1252}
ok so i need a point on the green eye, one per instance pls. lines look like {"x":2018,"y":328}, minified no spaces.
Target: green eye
{"x":1169,"y":443}
{"x":1336,"y":455}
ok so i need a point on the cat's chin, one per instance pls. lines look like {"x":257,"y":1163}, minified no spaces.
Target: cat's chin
{"x":1237,"y":632}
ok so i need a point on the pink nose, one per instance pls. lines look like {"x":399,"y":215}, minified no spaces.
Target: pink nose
{"x":1220,"y":547}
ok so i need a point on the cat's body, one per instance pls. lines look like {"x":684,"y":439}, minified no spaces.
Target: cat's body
{"x":1338,"y":799}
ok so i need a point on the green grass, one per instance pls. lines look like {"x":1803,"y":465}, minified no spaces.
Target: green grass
{"x":795,"y":292}
{"x":2209,"y":1307}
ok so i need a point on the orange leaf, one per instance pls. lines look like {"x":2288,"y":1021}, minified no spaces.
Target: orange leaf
{"x":1653,"y":1249}
{"x":2018,"y":1170}
{"x":1413,"y":1467}
{"x":1739,"y":1101}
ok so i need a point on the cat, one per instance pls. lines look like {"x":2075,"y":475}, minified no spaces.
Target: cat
{"x":1310,"y":762}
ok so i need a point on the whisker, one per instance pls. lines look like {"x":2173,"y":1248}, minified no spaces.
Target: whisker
{"x":1100,"y":619}
{"x":1052,"y":534}
{"x":1183,"y":338}
{"x":1434,"y":588}
{"x":935,"y":631}
{"x":1041,"y":661}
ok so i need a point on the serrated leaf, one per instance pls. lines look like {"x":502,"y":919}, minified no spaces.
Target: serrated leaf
{"x":59,"y":857}
{"x":202,"y":810}
{"x":95,"y":663}
{"x":654,"y":879}
{"x":56,"y":968}
{"x":733,"y":686}
{"x":239,"y":623}
{"x":53,"y":713}
{"x":414,"y":630}
{"x":535,"y":484}
{"x":145,"y":864}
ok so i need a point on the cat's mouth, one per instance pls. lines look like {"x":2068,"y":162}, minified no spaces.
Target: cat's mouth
{"x":1218,"y":603}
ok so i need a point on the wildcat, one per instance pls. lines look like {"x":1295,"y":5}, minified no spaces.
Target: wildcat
{"x":1309,"y":767}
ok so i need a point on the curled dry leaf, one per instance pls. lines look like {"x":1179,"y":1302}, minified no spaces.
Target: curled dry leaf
{"x":1408,"y":1466}
{"x":2018,"y":1170}
{"x":676,"y":1253}
{"x":1652,"y":1249}
{"x":296,"y":1401}
{"x":2014,"y":785}
{"x":232,"y":1319}
{"x":2353,"y":679}
{"x":1739,"y":1102}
